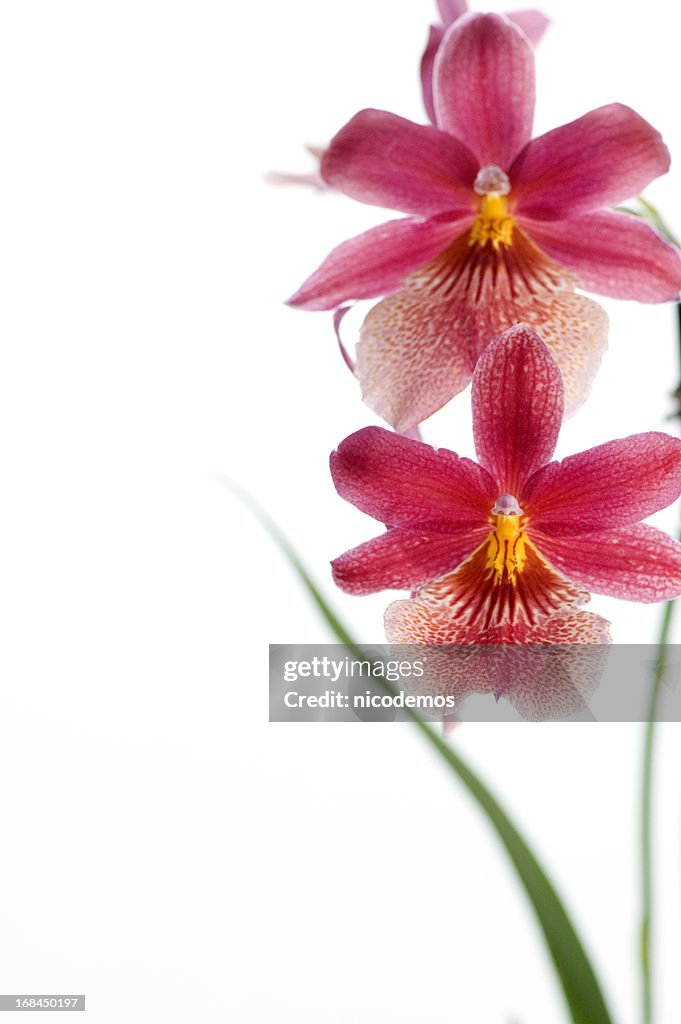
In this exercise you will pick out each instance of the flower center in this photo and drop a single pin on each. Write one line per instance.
(506, 543)
(493, 224)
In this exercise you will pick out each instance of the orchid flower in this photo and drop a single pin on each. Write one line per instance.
(532, 22)
(498, 548)
(501, 229)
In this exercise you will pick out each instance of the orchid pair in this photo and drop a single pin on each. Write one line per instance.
(479, 282)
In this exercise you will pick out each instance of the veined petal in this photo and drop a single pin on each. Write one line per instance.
(404, 559)
(483, 87)
(413, 356)
(600, 159)
(375, 262)
(402, 482)
(532, 22)
(613, 484)
(517, 407)
(385, 160)
(638, 563)
(418, 348)
(575, 331)
(613, 253)
(545, 671)
(474, 595)
(435, 37)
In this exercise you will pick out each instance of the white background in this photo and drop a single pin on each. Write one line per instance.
(164, 849)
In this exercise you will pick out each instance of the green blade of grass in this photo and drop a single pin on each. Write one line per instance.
(576, 975)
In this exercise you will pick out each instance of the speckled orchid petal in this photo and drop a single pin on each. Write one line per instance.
(404, 559)
(483, 87)
(385, 160)
(532, 22)
(637, 563)
(613, 484)
(374, 263)
(413, 357)
(511, 662)
(602, 158)
(419, 347)
(575, 331)
(613, 254)
(402, 482)
(517, 407)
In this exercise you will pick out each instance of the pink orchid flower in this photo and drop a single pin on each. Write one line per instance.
(532, 22)
(499, 548)
(501, 229)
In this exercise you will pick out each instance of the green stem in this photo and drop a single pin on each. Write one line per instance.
(647, 815)
(650, 213)
(573, 967)
(578, 979)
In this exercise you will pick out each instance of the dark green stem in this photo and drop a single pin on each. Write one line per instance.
(647, 815)
(580, 985)
(648, 764)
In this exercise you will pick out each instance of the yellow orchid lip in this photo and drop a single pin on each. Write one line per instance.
(494, 224)
(506, 550)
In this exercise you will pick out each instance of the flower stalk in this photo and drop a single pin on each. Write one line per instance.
(647, 780)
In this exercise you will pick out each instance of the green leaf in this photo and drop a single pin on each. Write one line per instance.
(576, 975)
(650, 213)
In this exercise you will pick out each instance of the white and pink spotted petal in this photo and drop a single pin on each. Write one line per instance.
(545, 671)
(413, 356)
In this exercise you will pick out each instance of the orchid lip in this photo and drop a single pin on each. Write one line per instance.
(491, 180)
(506, 505)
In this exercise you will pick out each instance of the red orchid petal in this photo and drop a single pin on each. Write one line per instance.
(435, 37)
(517, 407)
(483, 87)
(385, 160)
(404, 559)
(541, 684)
(613, 253)
(532, 22)
(600, 159)
(375, 262)
(338, 317)
(608, 486)
(575, 331)
(637, 563)
(402, 482)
